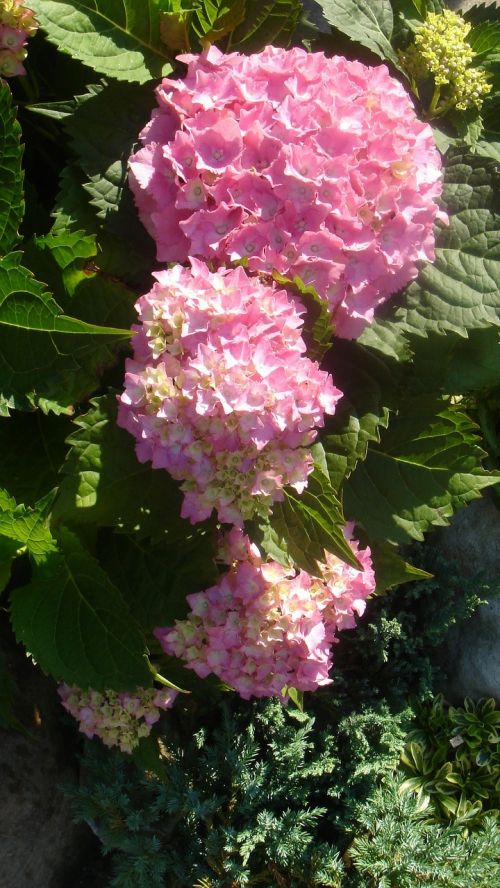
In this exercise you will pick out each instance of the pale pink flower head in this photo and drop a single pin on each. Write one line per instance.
(264, 628)
(220, 392)
(118, 719)
(311, 165)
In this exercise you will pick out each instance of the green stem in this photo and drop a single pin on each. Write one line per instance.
(431, 111)
(161, 679)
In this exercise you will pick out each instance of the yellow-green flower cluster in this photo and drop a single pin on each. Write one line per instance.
(441, 49)
(442, 45)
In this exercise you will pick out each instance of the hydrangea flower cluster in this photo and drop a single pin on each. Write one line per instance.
(17, 23)
(441, 49)
(220, 392)
(265, 628)
(118, 719)
(314, 166)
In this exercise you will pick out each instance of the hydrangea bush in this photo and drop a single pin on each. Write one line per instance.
(262, 388)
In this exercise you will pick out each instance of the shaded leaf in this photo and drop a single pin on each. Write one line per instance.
(265, 22)
(32, 449)
(11, 173)
(368, 386)
(75, 623)
(154, 581)
(304, 526)
(427, 464)
(105, 484)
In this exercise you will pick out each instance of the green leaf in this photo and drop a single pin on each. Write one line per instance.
(119, 38)
(469, 126)
(104, 483)
(369, 22)
(75, 623)
(126, 254)
(484, 39)
(32, 450)
(265, 22)
(49, 359)
(8, 550)
(427, 464)
(318, 328)
(304, 526)
(154, 581)
(60, 259)
(25, 304)
(11, 173)
(489, 149)
(214, 19)
(26, 527)
(390, 569)
(103, 130)
(174, 27)
(368, 386)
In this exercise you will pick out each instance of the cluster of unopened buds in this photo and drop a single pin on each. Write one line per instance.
(220, 392)
(119, 719)
(17, 23)
(441, 50)
(264, 628)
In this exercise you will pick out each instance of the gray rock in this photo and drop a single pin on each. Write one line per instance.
(39, 844)
(471, 655)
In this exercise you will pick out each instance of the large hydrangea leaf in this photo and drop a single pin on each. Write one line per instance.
(75, 623)
(367, 382)
(369, 22)
(11, 174)
(303, 526)
(105, 484)
(154, 580)
(265, 22)
(427, 464)
(49, 359)
(119, 38)
(103, 130)
(32, 449)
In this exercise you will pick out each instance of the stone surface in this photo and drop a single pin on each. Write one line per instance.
(471, 655)
(40, 847)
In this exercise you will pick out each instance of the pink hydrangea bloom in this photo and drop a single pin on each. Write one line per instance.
(264, 627)
(220, 392)
(118, 719)
(17, 23)
(313, 166)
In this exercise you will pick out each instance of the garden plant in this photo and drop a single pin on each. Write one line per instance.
(249, 356)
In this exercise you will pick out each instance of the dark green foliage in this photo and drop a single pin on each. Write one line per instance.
(255, 798)
(274, 797)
